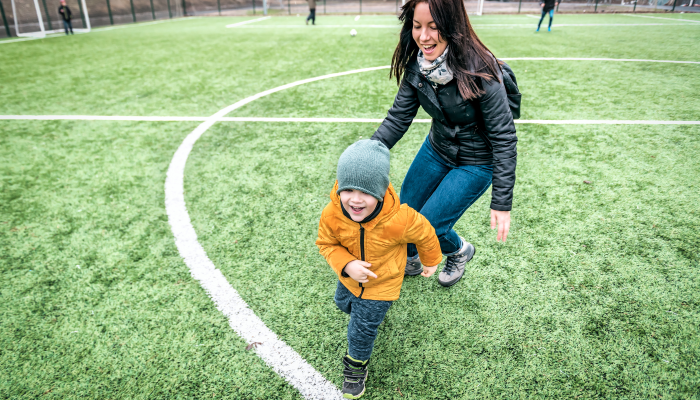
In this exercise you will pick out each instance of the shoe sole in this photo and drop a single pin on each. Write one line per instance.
(349, 396)
(448, 284)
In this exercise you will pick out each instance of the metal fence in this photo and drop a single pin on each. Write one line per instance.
(114, 12)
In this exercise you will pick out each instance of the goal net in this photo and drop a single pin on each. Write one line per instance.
(33, 18)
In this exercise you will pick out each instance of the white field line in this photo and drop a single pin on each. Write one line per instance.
(532, 16)
(103, 118)
(325, 120)
(595, 59)
(476, 26)
(101, 29)
(277, 354)
(250, 21)
(670, 19)
(162, 21)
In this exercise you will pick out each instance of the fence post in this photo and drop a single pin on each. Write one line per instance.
(596, 6)
(520, 3)
(635, 6)
(82, 15)
(48, 17)
(253, 7)
(360, 6)
(184, 8)
(153, 12)
(218, 5)
(674, 6)
(558, 4)
(109, 11)
(324, 6)
(170, 13)
(289, 8)
(133, 14)
(4, 20)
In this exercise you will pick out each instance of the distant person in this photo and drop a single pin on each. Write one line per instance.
(312, 12)
(65, 13)
(547, 7)
(362, 234)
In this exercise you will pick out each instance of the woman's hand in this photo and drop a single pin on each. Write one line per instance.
(502, 220)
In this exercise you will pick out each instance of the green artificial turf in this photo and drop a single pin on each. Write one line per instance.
(595, 295)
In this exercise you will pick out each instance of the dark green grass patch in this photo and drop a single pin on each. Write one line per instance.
(595, 294)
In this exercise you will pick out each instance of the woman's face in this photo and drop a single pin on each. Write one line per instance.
(425, 32)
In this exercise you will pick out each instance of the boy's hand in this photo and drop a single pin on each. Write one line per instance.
(358, 270)
(428, 271)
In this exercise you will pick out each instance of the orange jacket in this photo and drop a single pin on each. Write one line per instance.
(384, 239)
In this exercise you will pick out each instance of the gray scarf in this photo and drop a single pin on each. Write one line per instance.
(435, 71)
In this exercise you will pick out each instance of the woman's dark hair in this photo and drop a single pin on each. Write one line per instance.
(468, 57)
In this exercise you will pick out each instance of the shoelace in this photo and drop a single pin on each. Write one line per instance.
(450, 265)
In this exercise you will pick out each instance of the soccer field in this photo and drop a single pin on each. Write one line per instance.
(595, 295)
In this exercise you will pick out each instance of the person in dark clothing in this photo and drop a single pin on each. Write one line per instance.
(547, 7)
(312, 12)
(442, 66)
(65, 13)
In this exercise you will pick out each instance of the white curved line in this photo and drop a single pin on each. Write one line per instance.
(277, 354)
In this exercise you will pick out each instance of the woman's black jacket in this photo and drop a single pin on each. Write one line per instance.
(453, 133)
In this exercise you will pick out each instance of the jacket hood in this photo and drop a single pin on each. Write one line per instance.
(389, 209)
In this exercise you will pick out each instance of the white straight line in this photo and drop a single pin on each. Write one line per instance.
(476, 26)
(533, 16)
(601, 122)
(102, 118)
(109, 28)
(106, 28)
(670, 19)
(324, 120)
(595, 59)
(250, 21)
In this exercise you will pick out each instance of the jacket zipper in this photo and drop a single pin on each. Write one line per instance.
(362, 253)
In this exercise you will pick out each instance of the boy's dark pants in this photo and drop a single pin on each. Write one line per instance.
(365, 317)
(67, 25)
(312, 16)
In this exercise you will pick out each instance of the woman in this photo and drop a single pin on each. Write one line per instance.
(441, 65)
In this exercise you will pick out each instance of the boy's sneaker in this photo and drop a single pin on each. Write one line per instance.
(454, 265)
(355, 373)
(413, 266)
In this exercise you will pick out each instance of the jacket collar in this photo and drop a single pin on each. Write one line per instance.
(390, 207)
(415, 78)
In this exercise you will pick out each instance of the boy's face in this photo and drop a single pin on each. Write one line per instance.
(357, 203)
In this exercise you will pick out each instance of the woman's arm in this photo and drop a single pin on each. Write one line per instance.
(399, 117)
(500, 129)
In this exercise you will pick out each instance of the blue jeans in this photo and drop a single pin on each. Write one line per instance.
(551, 17)
(442, 192)
(365, 317)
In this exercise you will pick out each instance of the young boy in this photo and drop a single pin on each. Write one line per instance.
(363, 235)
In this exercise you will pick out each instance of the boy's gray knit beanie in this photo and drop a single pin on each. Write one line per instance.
(364, 166)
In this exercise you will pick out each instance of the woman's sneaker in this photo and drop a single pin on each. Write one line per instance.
(454, 265)
(355, 373)
(413, 266)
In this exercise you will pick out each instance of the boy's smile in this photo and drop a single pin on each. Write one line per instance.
(358, 204)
